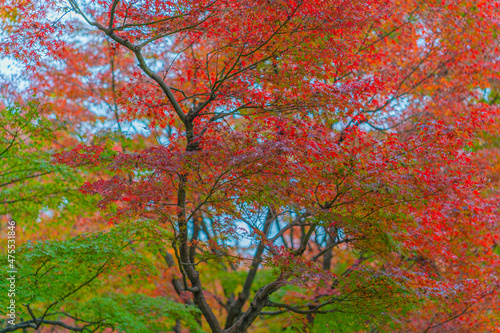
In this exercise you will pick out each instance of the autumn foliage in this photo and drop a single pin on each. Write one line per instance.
(253, 166)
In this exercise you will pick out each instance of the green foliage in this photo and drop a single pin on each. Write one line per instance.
(75, 276)
(360, 303)
(341, 322)
(51, 271)
(29, 182)
(140, 313)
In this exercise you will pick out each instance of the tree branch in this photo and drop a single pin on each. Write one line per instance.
(235, 308)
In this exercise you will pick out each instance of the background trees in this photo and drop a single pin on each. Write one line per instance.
(267, 165)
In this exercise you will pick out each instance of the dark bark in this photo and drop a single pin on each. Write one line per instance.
(236, 306)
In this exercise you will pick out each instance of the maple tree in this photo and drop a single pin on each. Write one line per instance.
(263, 165)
